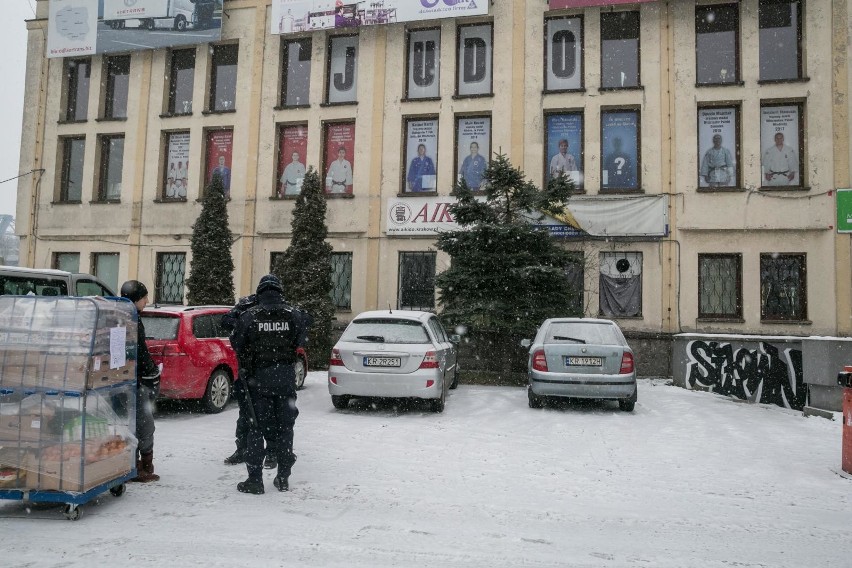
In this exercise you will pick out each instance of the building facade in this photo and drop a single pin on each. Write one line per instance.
(707, 141)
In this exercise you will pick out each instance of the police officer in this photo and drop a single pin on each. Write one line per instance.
(147, 387)
(265, 338)
(229, 322)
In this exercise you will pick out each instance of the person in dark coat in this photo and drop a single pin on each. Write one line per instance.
(265, 338)
(147, 387)
(229, 322)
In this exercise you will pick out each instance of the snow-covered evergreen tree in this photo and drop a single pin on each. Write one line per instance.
(305, 267)
(211, 271)
(506, 274)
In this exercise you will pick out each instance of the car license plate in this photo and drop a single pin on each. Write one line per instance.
(382, 361)
(583, 361)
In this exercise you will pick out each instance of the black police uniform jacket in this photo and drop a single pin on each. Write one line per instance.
(265, 338)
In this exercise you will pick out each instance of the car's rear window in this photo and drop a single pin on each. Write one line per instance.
(385, 331)
(160, 327)
(593, 333)
(32, 285)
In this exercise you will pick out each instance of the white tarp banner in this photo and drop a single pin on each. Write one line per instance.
(293, 16)
(631, 216)
(604, 216)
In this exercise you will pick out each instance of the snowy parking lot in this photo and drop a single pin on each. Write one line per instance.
(688, 479)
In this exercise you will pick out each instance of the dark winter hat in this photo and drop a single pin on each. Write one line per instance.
(133, 290)
(269, 282)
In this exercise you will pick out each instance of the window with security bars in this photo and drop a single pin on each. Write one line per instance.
(720, 286)
(575, 274)
(171, 268)
(341, 280)
(416, 281)
(783, 294)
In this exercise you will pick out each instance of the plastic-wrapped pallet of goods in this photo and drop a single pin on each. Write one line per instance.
(67, 392)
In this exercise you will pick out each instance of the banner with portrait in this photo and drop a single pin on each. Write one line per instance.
(292, 152)
(717, 147)
(473, 149)
(564, 147)
(780, 146)
(220, 144)
(87, 27)
(177, 165)
(339, 157)
(421, 155)
(294, 16)
(620, 149)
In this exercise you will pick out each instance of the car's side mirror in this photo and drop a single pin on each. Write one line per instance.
(455, 338)
(526, 342)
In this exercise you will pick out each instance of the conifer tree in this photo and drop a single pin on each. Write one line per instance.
(506, 274)
(305, 267)
(211, 272)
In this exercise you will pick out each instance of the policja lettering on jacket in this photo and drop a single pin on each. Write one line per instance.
(273, 326)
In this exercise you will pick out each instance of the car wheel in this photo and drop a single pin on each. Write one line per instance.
(455, 383)
(149, 24)
(218, 392)
(299, 367)
(340, 402)
(180, 23)
(535, 400)
(626, 405)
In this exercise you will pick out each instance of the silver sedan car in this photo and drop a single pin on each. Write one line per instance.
(396, 354)
(581, 358)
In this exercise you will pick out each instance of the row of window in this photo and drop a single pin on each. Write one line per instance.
(716, 45)
(783, 277)
(718, 153)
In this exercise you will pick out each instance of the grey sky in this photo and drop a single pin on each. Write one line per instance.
(13, 39)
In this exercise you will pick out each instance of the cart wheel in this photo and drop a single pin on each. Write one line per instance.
(73, 512)
(118, 490)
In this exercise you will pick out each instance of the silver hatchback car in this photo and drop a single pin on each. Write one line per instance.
(581, 358)
(395, 354)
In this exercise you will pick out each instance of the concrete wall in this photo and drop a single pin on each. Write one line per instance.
(759, 369)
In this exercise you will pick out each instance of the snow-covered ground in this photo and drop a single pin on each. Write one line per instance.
(688, 479)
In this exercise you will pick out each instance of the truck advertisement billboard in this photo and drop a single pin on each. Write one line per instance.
(293, 16)
(87, 27)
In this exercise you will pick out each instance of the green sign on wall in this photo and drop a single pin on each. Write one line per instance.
(844, 210)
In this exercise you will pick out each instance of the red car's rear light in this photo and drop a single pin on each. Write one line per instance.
(430, 361)
(626, 363)
(539, 361)
(335, 359)
(429, 383)
(172, 349)
(333, 380)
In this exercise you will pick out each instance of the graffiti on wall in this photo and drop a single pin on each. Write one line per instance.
(766, 374)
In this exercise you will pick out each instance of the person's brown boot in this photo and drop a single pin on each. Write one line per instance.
(145, 469)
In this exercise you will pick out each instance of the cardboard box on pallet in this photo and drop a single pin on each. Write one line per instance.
(17, 467)
(76, 475)
(21, 427)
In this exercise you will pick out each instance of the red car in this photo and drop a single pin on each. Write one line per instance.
(198, 360)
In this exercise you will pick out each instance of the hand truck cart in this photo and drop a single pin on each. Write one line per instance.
(67, 399)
